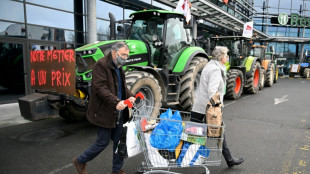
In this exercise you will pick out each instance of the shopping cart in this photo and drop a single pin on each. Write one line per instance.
(193, 149)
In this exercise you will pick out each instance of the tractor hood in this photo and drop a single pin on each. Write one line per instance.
(304, 65)
(88, 55)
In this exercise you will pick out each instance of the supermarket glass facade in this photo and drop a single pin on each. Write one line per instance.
(61, 24)
(295, 27)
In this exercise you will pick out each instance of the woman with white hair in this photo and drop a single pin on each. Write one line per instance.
(212, 80)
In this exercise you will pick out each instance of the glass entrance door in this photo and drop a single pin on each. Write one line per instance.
(12, 72)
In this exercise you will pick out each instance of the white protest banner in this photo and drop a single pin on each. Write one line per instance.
(248, 29)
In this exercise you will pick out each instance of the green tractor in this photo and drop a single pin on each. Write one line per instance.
(244, 66)
(165, 63)
(271, 61)
(269, 68)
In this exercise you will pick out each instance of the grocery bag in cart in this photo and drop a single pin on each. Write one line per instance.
(167, 133)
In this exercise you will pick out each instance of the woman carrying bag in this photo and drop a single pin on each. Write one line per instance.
(212, 80)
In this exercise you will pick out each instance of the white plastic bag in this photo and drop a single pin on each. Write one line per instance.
(155, 158)
(132, 142)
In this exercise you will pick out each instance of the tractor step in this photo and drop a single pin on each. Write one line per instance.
(172, 103)
(173, 97)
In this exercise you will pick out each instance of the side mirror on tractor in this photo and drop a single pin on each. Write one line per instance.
(120, 28)
(189, 25)
(271, 49)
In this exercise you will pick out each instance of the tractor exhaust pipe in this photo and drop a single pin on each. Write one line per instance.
(208, 47)
(112, 27)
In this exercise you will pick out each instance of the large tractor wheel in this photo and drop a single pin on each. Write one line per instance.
(235, 84)
(269, 76)
(306, 73)
(262, 78)
(254, 79)
(147, 84)
(190, 82)
(72, 112)
(276, 75)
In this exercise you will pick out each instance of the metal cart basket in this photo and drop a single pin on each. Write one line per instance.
(192, 147)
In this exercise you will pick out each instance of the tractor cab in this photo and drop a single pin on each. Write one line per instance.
(306, 57)
(258, 51)
(164, 34)
(270, 54)
(238, 46)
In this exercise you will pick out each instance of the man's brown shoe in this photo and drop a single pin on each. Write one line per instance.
(119, 172)
(80, 168)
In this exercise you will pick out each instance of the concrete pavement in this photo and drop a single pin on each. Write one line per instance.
(10, 115)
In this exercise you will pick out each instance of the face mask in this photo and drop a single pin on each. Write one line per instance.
(120, 61)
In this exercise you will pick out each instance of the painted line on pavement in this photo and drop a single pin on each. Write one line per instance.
(297, 157)
(235, 101)
(230, 103)
(60, 169)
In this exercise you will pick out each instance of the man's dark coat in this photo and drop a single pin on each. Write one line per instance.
(103, 100)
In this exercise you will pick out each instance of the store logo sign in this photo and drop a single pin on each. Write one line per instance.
(295, 20)
(283, 18)
(299, 21)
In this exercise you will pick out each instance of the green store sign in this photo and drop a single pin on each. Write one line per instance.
(296, 20)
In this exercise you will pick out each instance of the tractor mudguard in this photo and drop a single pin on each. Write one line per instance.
(186, 57)
(304, 65)
(241, 68)
(266, 64)
(158, 75)
(249, 64)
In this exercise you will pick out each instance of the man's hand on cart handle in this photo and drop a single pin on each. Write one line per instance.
(129, 102)
(132, 100)
(121, 105)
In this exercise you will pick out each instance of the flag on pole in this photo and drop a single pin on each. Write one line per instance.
(225, 1)
(248, 29)
(184, 7)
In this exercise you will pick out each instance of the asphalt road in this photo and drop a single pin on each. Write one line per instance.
(271, 130)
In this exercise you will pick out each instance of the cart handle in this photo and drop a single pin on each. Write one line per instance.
(128, 102)
(140, 95)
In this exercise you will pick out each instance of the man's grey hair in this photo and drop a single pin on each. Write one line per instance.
(218, 52)
(118, 45)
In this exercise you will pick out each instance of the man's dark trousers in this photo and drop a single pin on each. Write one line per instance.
(103, 138)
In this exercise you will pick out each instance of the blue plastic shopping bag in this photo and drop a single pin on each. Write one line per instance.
(167, 133)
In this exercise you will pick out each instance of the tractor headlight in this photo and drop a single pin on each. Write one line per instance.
(89, 52)
(88, 75)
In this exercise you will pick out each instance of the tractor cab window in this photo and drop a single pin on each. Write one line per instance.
(268, 56)
(256, 52)
(177, 39)
(237, 46)
(148, 30)
(231, 45)
(307, 57)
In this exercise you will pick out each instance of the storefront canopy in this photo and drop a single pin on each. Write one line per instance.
(287, 39)
(207, 11)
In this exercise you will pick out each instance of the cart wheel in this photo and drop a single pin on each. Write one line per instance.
(141, 169)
